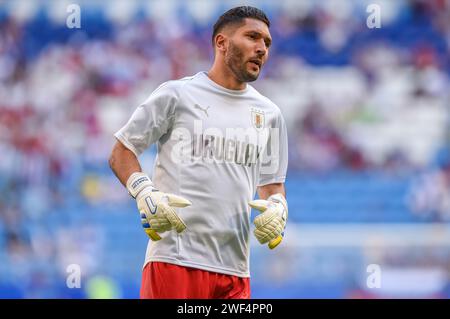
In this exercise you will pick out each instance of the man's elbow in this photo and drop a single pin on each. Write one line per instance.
(112, 161)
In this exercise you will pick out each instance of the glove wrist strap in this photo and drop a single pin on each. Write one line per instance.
(278, 198)
(137, 182)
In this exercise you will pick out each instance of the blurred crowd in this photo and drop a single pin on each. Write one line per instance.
(355, 99)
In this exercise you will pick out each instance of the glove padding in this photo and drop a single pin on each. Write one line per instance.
(155, 207)
(271, 223)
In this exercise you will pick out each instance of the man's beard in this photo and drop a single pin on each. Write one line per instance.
(234, 59)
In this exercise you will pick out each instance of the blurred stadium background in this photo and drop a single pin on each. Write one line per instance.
(368, 118)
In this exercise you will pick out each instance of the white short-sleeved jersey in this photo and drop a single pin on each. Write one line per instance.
(215, 146)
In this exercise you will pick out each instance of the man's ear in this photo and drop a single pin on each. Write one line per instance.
(221, 42)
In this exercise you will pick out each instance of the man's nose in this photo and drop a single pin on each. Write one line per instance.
(261, 49)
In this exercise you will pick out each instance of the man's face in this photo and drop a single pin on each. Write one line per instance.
(248, 49)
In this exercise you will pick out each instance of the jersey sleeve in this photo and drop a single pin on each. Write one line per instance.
(151, 120)
(275, 158)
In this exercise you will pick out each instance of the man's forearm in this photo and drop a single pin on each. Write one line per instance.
(123, 162)
(265, 191)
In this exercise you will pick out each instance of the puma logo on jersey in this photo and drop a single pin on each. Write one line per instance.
(202, 109)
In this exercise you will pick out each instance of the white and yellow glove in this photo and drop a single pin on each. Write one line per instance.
(270, 224)
(155, 207)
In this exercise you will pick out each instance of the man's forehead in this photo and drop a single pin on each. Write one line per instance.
(250, 24)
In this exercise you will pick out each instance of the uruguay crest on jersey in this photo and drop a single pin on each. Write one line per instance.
(257, 118)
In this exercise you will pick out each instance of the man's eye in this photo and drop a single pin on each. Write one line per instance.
(252, 36)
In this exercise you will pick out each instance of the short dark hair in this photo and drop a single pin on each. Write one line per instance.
(237, 15)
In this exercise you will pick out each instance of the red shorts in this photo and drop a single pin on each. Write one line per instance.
(167, 281)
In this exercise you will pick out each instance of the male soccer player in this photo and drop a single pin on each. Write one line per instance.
(219, 141)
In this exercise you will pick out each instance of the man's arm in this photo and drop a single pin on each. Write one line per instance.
(270, 189)
(156, 208)
(123, 162)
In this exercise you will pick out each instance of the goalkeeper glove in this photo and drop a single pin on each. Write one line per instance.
(155, 207)
(271, 223)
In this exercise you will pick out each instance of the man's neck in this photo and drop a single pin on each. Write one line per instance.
(225, 78)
